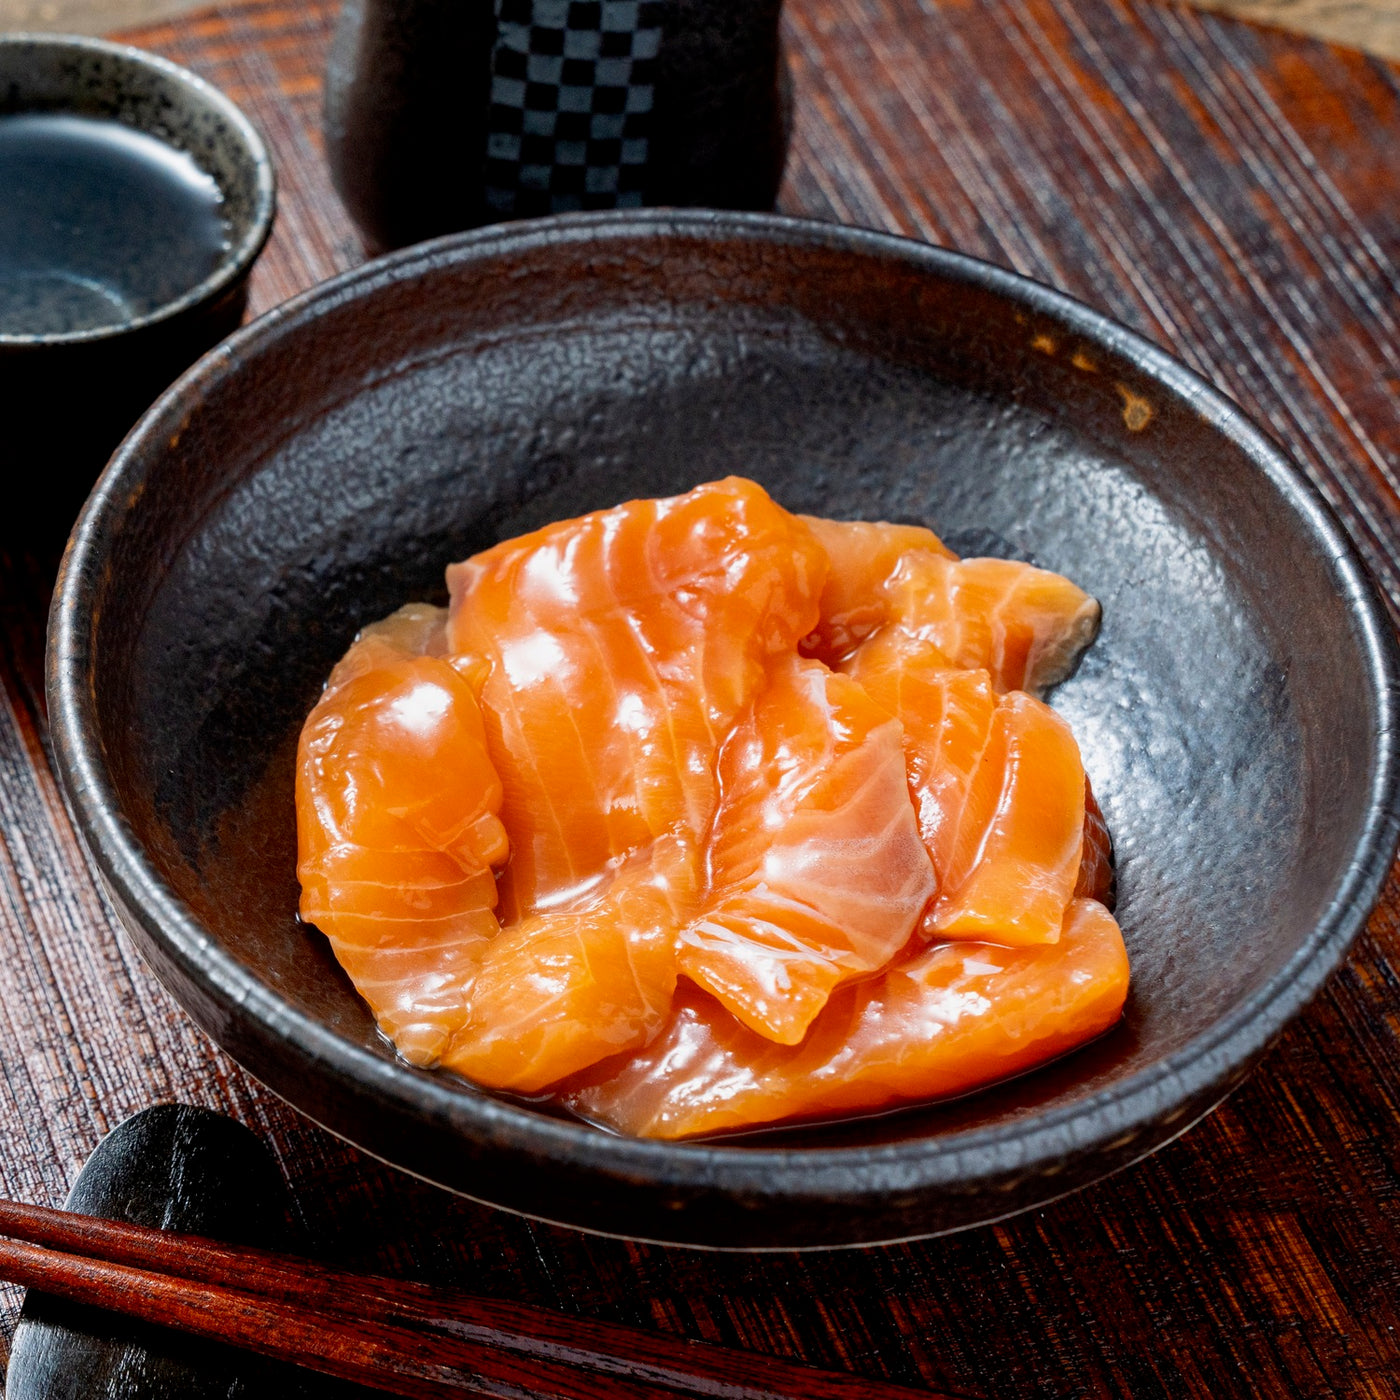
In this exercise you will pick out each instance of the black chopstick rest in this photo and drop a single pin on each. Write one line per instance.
(177, 1168)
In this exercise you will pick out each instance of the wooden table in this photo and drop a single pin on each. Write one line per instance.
(1231, 192)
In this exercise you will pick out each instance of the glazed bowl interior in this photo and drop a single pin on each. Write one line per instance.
(324, 467)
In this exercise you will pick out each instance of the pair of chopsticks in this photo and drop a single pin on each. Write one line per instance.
(403, 1338)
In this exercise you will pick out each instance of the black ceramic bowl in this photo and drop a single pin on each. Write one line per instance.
(320, 468)
(68, 395)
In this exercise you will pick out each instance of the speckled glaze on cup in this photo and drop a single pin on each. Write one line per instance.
(67, 398)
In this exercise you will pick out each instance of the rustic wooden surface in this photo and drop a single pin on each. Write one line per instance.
(1232, 192)
(112, 1247)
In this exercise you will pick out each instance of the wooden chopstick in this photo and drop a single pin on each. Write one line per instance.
(403, 1338)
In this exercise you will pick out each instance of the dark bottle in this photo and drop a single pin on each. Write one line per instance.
(444, 114)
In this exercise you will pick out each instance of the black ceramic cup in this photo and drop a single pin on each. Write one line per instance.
(445, 114)
(72, 385)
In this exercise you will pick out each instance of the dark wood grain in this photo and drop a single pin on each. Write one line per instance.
(390, 1334)
(1231, 192)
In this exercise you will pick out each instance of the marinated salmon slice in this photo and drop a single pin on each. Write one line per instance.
(945, 718)
(864, 555)
(813, 787)
(398, 821)
(1025, 626)
(621, 649)
(948, 646)
(560, 990)
(952, 1018)
(1014, 859)
(998, 785)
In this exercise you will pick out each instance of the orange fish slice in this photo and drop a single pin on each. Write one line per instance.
(813, 790)
(863, 555)
(1014, 860)
(951, 1019)
(621, 648)
(560, 990)
(397, 803)
(946, 719)
(998, 785)
(1024, 625)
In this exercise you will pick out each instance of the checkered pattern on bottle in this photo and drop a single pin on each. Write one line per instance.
(572, 89)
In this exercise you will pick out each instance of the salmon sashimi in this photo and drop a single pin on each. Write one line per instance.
(813, 786)
(954, 1017)
(398, 808)
(621, 649)
(560, 990)
(998, 785)
(864, 555)
(1026, 626)
(945, 717)
(1015, 856)
(715, 815)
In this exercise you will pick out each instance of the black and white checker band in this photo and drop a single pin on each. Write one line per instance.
(571, 104)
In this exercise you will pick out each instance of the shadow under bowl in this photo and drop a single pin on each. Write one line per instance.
(1236, 714)
(68, 396)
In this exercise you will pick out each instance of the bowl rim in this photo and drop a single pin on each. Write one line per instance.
(240, 256)
(1171, 1091)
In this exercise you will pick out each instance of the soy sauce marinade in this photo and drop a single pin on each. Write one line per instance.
(99, 223)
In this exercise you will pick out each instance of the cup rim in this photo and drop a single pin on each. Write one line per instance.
(241, 255)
